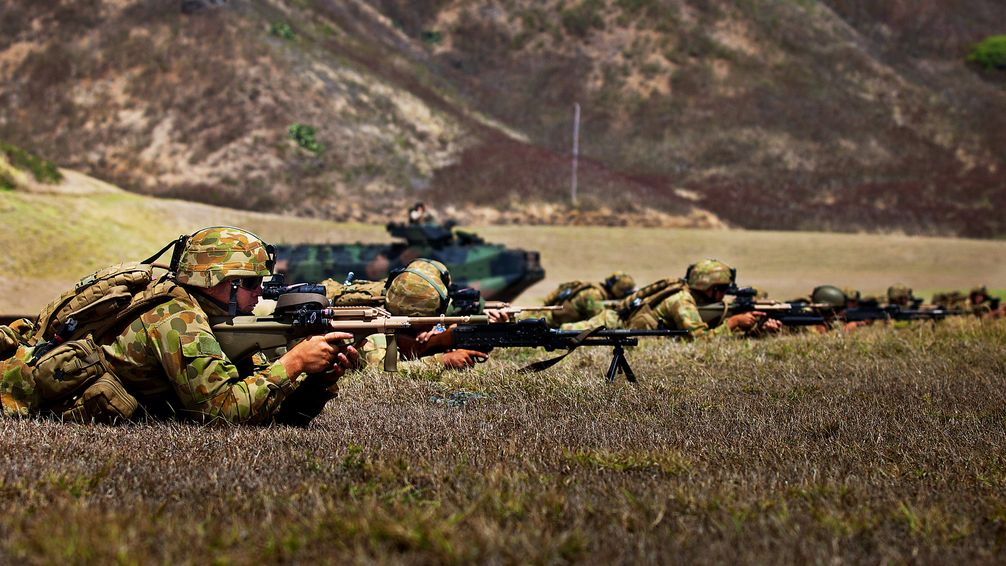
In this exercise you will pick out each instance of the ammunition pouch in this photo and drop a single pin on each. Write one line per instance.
(105, 401)
(66, 370)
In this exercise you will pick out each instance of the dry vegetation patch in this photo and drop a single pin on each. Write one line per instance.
(880, 446)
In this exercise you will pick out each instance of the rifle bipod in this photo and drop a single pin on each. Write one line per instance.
(620, 364)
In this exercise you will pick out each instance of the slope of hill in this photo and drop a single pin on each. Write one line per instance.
(754, 113)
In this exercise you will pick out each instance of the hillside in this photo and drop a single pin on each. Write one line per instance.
(748, 113)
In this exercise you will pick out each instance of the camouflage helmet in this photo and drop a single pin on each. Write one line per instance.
(620, 284)
(220, 253)
(828, 295)
(899, 293)
(418, 290)
(851, 293)
(709, 273)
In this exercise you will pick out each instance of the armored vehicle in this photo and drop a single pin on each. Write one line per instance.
(499, 273)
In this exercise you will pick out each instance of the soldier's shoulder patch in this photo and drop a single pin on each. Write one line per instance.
(203, 346)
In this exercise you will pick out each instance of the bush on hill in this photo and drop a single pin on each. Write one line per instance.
(44, 171)
(990, 53)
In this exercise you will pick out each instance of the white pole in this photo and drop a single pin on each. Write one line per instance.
(576, 149)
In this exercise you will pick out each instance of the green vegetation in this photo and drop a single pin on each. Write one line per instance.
(6, 182)
(44, 171)
(431, 37)
(875, 447)
(990, 53)
(583, 18)
(304, 136)
(282, 30)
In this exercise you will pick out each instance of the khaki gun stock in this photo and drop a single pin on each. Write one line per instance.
(517, 309)
(301, 315)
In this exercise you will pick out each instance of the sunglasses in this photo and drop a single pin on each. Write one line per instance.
(250, 283)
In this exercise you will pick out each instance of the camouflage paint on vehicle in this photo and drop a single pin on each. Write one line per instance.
(501, 274)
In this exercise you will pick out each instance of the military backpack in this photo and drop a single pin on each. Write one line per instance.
(569, 290)
(61, 361)
(636, 310)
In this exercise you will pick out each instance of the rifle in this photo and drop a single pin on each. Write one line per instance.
(300, 315)
(874, 311)
(469, 301)
(534, 333)
(510, 309)
(789, 314)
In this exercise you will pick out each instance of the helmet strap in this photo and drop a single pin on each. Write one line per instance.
(176, 254)
(232, 305)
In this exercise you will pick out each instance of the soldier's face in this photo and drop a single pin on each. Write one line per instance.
(248, 293)
(717, 293)
(248, 297)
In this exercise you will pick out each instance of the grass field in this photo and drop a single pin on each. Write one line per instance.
(878, 446)
(881, 446)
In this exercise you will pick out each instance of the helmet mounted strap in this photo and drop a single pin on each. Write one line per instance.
(232, 304)
(176, 254)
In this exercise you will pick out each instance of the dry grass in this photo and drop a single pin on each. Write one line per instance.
(880, 447)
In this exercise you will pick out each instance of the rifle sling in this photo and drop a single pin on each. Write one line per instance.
(545, 364)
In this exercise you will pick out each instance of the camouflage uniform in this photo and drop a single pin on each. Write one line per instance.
(168, 361)
(677, 311)
(17, 392)
(581, 301)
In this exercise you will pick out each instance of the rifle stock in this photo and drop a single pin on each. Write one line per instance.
(301, 315)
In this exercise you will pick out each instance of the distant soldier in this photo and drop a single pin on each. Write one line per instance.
(951, 301)
(982, 305)
(838, 300)
(901, 295)
(852, 297)
(581, 300)
(673, 303)
(420, 289)
(418, 214)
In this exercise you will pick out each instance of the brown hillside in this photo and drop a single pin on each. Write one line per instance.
(756, 113)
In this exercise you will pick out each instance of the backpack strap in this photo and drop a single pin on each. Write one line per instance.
(650, 295)
(158, 292)
(567, 291)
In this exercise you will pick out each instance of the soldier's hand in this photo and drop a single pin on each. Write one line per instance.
(460, 359)
(744, 321)
(496, 315)
(329, 354)
(771, 325)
